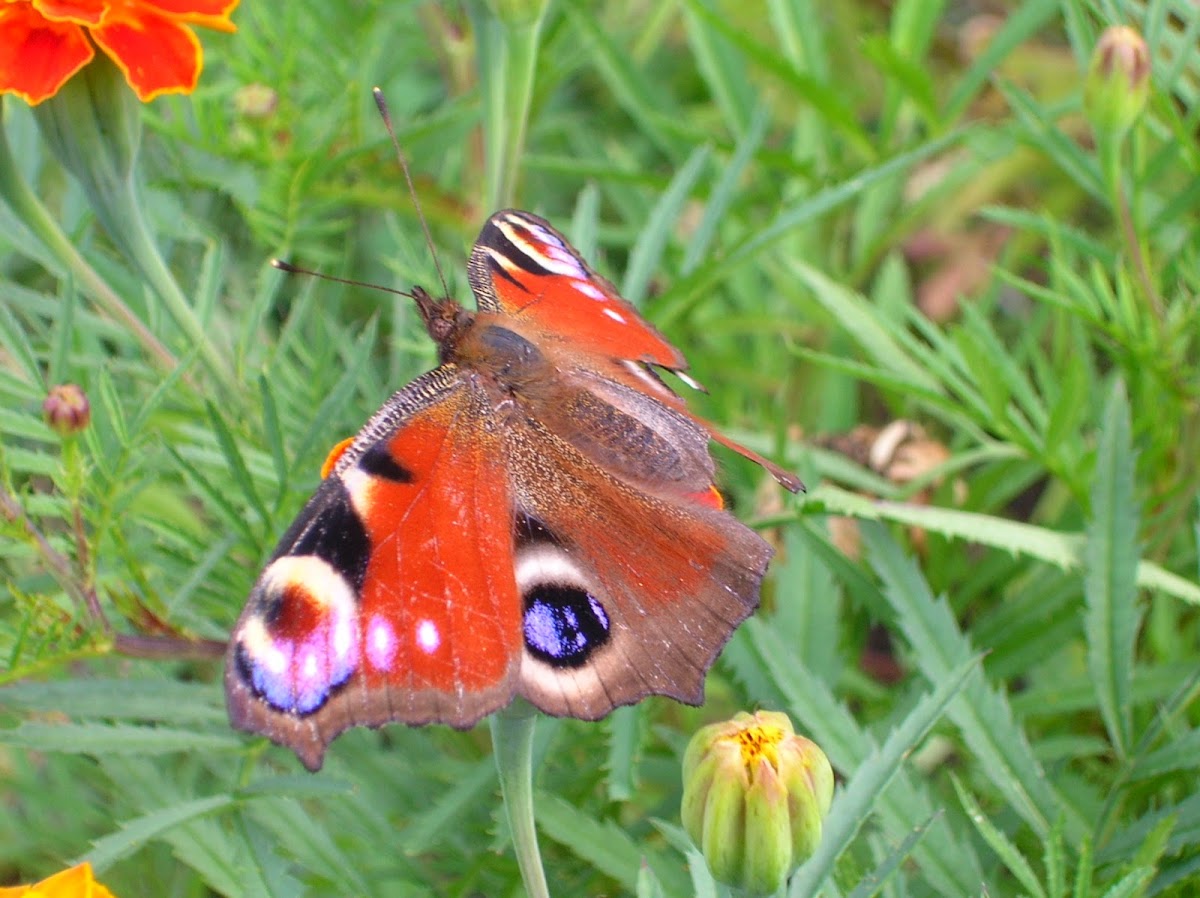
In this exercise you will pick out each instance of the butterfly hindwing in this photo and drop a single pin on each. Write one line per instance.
(625, 594)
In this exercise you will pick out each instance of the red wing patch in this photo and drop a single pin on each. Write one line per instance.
(392, 596)
(521, 266)
(440, 614)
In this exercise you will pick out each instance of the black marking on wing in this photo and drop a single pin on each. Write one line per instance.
(496, 239)
(530, 530)
(331, 529)
(244, 667)
(499, 270)
(564, 624)
(378, 461)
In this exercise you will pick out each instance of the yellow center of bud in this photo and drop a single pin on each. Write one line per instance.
(755, 795)
(759, 742)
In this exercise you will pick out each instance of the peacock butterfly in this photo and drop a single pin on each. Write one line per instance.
(536, 516)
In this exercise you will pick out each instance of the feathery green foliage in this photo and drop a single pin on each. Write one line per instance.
(888, 241)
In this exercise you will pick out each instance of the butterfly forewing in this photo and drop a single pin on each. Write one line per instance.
(523, 267)
(392, 597)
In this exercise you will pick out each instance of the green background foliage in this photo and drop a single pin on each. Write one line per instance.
(845, 214)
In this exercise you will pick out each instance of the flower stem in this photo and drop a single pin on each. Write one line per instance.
(143, 251)
(93, 125)
(508, 38)
(29, 209)
(512, 745)
(1111, 152)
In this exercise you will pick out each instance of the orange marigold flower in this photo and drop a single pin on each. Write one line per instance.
(45, 42)
(77, 882)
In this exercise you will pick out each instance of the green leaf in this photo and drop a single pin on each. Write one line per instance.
(232, 517)
(722, 194)
(646, 257)
(15, 340)
(792, 217)
(624, 727)
(604, 845)
(1009, 854)
(1063, 550)
(1132, 883)
(116, 739)
(135, 833)
(722, 68)
(307, 836)
(146, 699)
(274, 437)
(862, 322)
(636, 93)
(235, 461)
(1042, 132)
(424, 830)
(1180, 753)
(1110, 580)
(853, 804)
(982, 714)
(648, 885)
(836, 116)
(870, 884)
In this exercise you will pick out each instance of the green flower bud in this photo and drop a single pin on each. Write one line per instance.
(754, 798)
(1118, 81)
(66, 409)
(255, 101)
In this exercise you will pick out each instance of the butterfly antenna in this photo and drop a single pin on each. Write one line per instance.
(293, 269)
(381, 103)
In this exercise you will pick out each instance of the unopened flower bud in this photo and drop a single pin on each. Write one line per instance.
(1118, 81)
(255, 101)
(755, 796)
(66, 409)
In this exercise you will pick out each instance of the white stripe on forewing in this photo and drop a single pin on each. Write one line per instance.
(558, 260)
(504, 261)
(590, 290)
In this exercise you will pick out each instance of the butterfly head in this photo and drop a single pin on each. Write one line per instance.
(446, 321)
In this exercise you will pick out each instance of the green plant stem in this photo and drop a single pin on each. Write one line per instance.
(512, 745)
(1111, 149)
(508, 36)
(143, 251)
(29, 209)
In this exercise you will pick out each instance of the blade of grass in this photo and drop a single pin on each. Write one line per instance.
(646, 257)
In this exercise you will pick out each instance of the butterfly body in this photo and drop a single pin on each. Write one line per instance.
(537, 516)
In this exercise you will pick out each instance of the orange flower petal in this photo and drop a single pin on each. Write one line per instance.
(206, 13)
(37, 56)
(157, 55)
(74, 882)
(81, 12)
